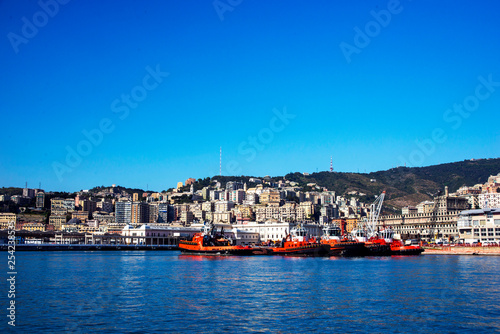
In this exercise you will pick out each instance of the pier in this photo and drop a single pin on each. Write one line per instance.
(57, 241)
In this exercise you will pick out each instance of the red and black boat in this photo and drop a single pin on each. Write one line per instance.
(212, 243)
(340, 244)
(297, 243)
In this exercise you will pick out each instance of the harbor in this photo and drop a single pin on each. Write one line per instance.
(121, 292)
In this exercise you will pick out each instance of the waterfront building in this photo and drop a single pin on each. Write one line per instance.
(157, 235)
(480, 225)
(244, 238)
(267, 231)
(114, 228)
(276, 231)
(439, 223)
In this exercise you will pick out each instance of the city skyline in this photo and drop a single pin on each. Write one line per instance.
(146, 94)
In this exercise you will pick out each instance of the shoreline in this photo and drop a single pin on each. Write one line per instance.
(490, 251)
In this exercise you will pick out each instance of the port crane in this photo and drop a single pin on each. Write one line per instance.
(368, 227)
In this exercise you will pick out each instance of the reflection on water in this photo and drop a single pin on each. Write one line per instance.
(166, 291)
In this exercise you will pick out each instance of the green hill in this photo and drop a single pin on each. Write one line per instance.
(403, 186)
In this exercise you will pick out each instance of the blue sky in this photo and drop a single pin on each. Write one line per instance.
(232, 68)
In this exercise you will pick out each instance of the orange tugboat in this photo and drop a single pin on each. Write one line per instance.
(381, 242)
(397, 247)
(298, 244)
(212, 243)
(339, 244)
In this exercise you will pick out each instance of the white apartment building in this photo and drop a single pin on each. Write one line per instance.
(479, 225)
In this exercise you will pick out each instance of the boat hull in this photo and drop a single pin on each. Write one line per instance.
(348, 249)
(376, 249)
(306, 250)
(237, 252)
(407, 251)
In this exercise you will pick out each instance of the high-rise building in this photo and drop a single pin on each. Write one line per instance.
(40, 200)
(123, 211)
(139, 213)
(233, 185)
(28, 192)
(104, 206)
(88, 205)
(238, 196)
(162, 213)
(135, 197)
(205, 192)
(153, 212)
(62, 204)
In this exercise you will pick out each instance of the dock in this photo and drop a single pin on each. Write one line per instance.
(457, 250)
(88, 247)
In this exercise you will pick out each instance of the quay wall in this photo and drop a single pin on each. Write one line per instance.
(447, 250)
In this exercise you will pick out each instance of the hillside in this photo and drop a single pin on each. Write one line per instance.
(403, 186)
